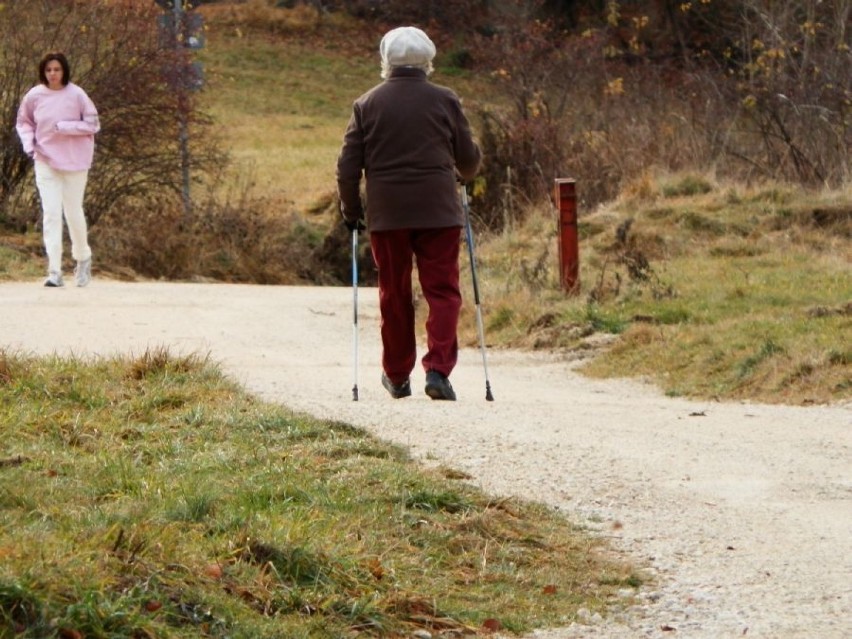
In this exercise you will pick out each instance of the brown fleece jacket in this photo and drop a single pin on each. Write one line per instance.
(410, 139)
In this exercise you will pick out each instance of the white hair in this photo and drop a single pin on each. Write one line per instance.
(387, 68)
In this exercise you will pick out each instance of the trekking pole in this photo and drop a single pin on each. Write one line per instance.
(355, 314)
(469, 234)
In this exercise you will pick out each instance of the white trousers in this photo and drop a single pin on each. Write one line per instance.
(62, 191)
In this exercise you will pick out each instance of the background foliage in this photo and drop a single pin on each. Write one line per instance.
(603, 91)
(120, 56)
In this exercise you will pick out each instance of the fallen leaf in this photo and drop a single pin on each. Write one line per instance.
(214, 571)
(492, 625)
(376, 569)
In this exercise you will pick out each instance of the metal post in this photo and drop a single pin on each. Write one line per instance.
(183, 137)
(177, 7)
(183, 106)
(569, 250)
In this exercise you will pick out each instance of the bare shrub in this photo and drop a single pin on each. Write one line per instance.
(773, 85)
(119, 57)
(626, 119)
(330, 263)
(794, 91)
(234, 236)
(605, 93)
(424, 12)
(575, 113)
(627, 261)
(520, 136)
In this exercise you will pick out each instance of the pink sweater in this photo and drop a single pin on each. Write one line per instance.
(58, 127)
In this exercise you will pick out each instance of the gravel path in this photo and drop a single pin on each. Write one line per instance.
(741, 512)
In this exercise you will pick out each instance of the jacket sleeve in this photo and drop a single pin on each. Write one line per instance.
(467, 153)
(89, 122)
(350, 169)
(25, 126)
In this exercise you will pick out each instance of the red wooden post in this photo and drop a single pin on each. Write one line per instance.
(569, 249)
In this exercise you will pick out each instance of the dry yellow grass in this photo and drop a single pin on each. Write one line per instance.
(281, 100)
(747, 293)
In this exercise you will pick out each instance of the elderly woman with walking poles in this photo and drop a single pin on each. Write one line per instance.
(410, 141)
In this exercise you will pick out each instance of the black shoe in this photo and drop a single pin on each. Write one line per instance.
(438, 386)
(397, 391)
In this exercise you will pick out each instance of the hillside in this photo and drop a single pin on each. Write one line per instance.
(706, 286)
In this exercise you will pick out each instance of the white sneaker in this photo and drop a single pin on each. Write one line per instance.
(83, 272)
(54, 280)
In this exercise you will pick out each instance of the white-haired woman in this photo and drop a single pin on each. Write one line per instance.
(57, 122)
(410, 140)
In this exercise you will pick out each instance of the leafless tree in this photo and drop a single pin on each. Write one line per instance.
(139, 80)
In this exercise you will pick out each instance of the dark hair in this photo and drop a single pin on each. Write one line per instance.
(61, 59)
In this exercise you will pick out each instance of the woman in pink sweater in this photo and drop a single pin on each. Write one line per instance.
(57, 123)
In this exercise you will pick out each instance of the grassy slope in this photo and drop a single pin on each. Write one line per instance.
(283, 109)
(150, 497)
(743, 293)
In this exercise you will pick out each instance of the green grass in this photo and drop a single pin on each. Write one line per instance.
(746, 294)
(151, 497)
(284, 109)
(726, 267)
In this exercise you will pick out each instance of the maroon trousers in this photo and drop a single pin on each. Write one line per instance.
(436, 252)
